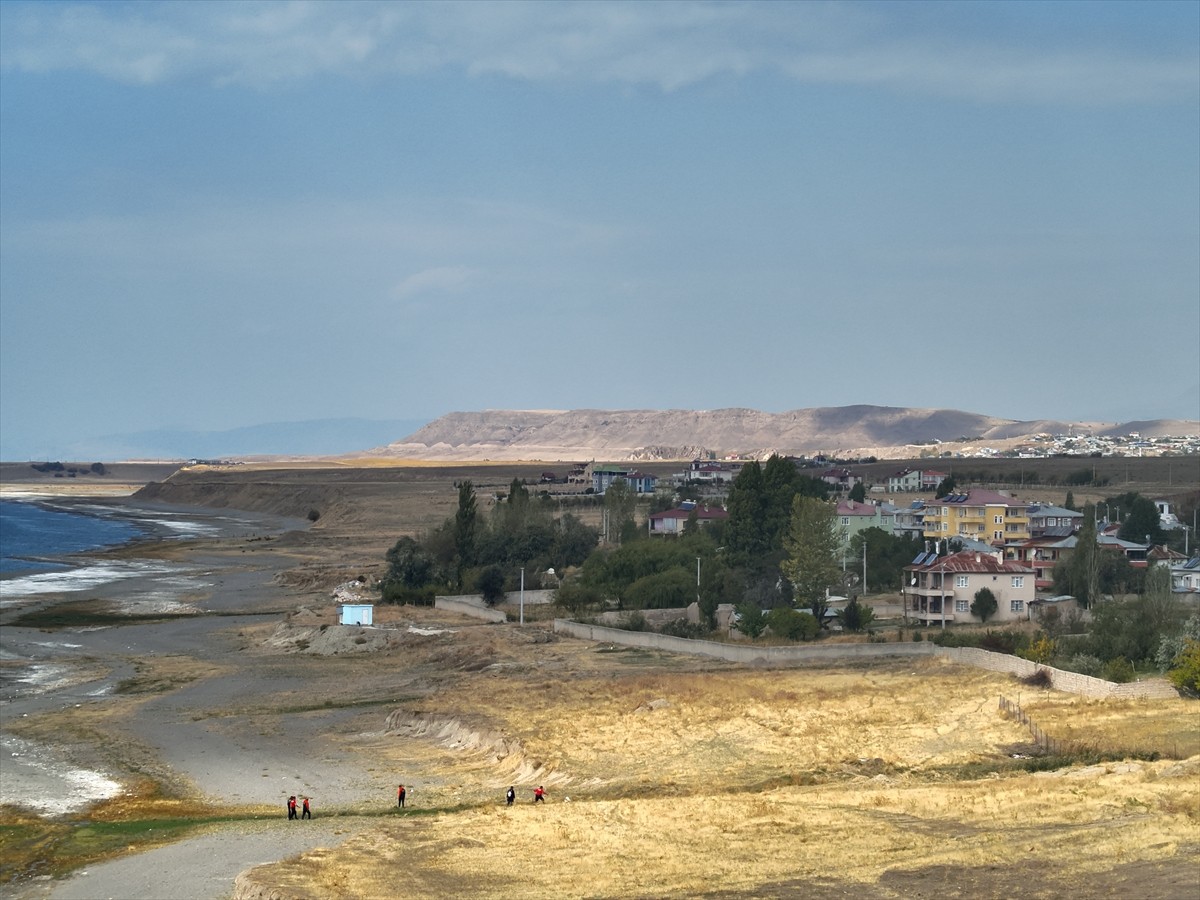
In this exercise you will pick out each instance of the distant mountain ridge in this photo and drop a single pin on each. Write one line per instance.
(679, 434)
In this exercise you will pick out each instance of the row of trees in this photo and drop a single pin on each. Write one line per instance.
(471, 551)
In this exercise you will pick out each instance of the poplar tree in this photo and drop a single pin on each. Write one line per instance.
(813, 545)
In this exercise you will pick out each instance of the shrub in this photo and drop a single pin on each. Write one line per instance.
(490, 584)
(635, 622)
(1084, 664)
(856, 616)
(1040, 651)
(792, 624)
(1186, 673)
(313, 515)
(751, 621)
(682, 628)
(918, 637)
(1119, 670)
(1041, 678)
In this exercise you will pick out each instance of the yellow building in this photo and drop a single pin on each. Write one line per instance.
(988, 516)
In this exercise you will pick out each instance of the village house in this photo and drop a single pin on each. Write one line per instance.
(840, 479)
(906, 481)
(1185, 577)
(1053, 521)
(941, 589)
(855, 517)
(604, 476)
(673, 521)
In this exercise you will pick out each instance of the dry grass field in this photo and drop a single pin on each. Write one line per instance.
(666, 777)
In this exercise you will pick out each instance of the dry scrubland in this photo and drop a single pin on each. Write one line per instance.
(890, 780)
(684, 778)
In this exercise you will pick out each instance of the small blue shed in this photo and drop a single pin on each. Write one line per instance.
(358, 614)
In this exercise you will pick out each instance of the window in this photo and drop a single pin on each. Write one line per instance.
(997, 535)
(962, 606)
(1017, 606)
(997, 520)
(1018, 581)
(960, 581)
(845, 520)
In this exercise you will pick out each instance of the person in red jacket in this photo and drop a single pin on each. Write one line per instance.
(539, 795)
(307, 810)
(400, 793)
(291, 807)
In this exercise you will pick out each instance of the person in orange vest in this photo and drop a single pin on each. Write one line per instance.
(291, 807)
(307, 813)
(539, 795)
(400, 797)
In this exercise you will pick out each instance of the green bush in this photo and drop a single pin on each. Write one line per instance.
(682, 628)
(1084, 664)
(1186, 673)
(1119, 670)
(792, 624)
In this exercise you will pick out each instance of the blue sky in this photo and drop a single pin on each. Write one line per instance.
(215, 215)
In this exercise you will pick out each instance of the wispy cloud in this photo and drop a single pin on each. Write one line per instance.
(668, 46)
(438, 280)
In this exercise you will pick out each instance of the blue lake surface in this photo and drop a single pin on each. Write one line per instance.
(29, 531)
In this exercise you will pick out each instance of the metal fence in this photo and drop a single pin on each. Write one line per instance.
(1051, 745)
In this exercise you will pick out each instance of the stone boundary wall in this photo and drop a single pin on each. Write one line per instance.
(1062, 680)
(1068, 682)
(739, 653)
(465, 606)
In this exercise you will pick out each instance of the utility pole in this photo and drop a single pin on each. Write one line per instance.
(522, 595)
(864, 589)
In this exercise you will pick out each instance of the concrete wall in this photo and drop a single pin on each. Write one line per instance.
(469, 606)
(1069, 682)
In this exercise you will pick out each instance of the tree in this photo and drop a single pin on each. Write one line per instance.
(856, 616)
(813, 545)
(984, 606)
(751, 621)
(490, 584)
(1069, 503)
(1142, 523)
(619, 504)
(858, 493)
(466, 524)
(1082, 572)
(409, 564)
(947, 486)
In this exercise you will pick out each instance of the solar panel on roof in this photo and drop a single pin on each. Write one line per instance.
(920, 560)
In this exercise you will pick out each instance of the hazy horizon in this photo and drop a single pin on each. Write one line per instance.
(218, 215)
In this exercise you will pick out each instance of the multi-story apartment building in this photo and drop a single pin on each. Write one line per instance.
(983, 515)
(941, 589)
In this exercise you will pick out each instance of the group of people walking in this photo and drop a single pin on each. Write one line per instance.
(539, 795)
(305, 811)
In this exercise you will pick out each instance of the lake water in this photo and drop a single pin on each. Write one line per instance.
(32, 534)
